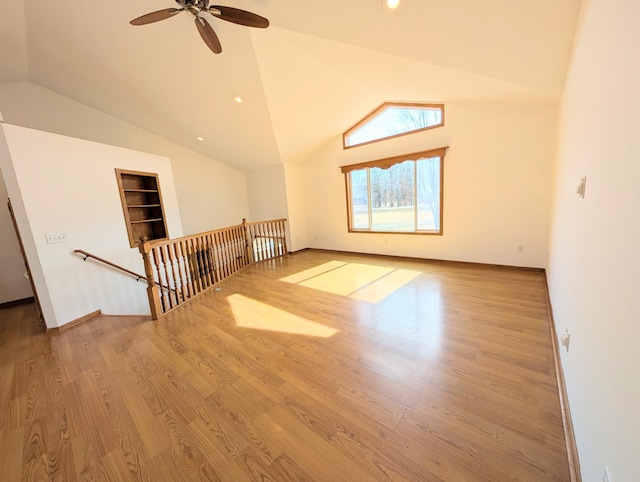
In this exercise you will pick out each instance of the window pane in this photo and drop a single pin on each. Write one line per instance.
(359, 199)
(392, 198)
(394, 120)
(428, 185)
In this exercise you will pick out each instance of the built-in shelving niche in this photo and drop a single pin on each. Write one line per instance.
(142, 205)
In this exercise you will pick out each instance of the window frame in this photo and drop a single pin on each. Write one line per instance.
(383, 107)
(386, 163)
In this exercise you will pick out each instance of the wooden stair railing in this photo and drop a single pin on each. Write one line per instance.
(138, 276)
(192, 264)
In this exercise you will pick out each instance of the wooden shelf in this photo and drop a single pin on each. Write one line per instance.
(142, 205)
(147, 221)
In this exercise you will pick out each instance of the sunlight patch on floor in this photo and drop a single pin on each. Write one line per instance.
(249, 313)
(346, 279)
(383, 287)
(359, 281)
(312, 272)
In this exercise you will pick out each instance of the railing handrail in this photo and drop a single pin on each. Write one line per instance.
(267, 221)
(193, 264)
(162, 242)
(138, 276)
(107, 262)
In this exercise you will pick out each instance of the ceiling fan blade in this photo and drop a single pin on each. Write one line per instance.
(241, 17)
(156, 16)
(208, 35)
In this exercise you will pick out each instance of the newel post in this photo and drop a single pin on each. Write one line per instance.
(152, 289)
(247, 241)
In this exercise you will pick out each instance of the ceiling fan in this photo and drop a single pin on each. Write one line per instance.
(196, 8)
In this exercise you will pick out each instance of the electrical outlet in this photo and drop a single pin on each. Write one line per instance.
(605, 476)
(56, 238)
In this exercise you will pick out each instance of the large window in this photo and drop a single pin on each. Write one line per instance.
(401, 194)
(394, 119)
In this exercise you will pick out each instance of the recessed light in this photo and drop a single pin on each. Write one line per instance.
(200, 138)
(392, 4)
(237, 99)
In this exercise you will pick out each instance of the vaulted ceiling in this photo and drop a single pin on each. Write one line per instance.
(315, 71)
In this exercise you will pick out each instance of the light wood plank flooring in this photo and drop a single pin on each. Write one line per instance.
(319, 367)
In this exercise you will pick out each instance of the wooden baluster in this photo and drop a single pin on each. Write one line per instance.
(283, 238)
(223, 261)
(225, 254)
(216, 256)
(166, 265)
(202, 243)
(163, 294)
(198, 264)
(234, 248)
(254, 244)
(228, 253)
(256, 241)
(272, 240)
(227, 250)
(267, 238)
(198, 257)
(175, 269)
(241, 247)
(247, 243)
(172, 284)
(193, 266)
(267, 245)
(263, 237)
(152, 289)
(250, 244)
(222, 268)
(202, 262)
(207, 252)
(182, 271)
(210, 264)
(258, 248)
(277, 241)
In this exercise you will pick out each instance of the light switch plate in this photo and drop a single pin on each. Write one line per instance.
(56, 238)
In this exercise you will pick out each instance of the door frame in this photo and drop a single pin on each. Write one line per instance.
(25, 260)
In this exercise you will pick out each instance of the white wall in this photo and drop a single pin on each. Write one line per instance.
(277, 192)
(297, 221)
(267, 193)
(59, 184)
(210, 194)
(594, 258)
(496, 187)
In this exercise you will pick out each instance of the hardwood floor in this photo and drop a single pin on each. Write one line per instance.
(419, 371)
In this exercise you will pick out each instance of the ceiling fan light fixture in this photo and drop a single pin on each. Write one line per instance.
(199, 7)
(237, 99)
(200, 138)
(391, 4)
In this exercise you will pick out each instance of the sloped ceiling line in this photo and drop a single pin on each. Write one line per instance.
(319, 67)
